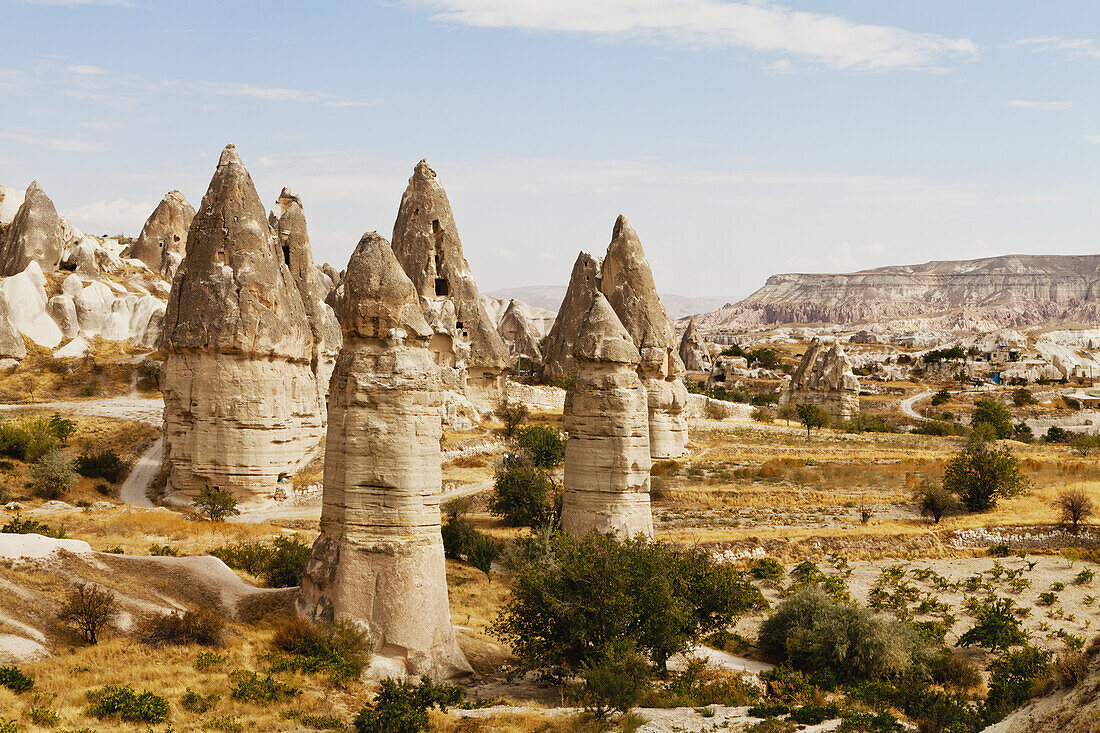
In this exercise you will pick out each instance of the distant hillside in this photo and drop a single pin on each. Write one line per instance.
(984, 294)
(550, 297)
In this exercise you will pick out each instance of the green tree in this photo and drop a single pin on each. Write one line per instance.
(1022, 396)
(995, 627)
(401, 707)
(523, 495)
(544, 444)
(52, 475)
(765, 357)
(982, 473)
(940, 398)
(569, 601)
(812, 416)
(787, 412)
(512, 414)
(1012, 680)
(995, 415)
(936, 501)
(483, 553)
(216, 503)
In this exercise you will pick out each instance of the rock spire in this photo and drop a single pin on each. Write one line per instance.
(693, 350)
(35, 235)
(240, 398)
(584, 285)
(162, 244)
(606, 415)
(426, 243)
(824, 378)
(379, 558)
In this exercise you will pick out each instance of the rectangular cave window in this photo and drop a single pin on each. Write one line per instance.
(458, 325)
(286, 254)
(441, 287)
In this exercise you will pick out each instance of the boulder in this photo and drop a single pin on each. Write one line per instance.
(240, 398)
(78, 347)
(62, 309)
(824, 378)
(145, 320)
(379, 558)
(11, 342)
(165, 233)
(35, 235)
(627, 281)
(606, 415)
(426, 243)
(93, 308)
(584, 284)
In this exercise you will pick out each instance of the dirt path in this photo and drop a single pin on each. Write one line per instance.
(908, 402)
(142, 474)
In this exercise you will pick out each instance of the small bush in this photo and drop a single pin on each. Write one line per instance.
(339, 649)
(248, 686)
(194, 702)
(936, 502)
(42, 717)
(18, 525)
(163, 550)
(483, 553)
(699, 684)
(105, 465)
(615, 680)
(287, 562)
(763, 414)
(814, 714)
(459, 536)
(543, 444)
(199, 626)
(996, 627)
(216, 504)
(523, 495)
(52, 476)
(252, 557)
(315, 721)
(27, 439)
(8, 726)
(87, 610)
(13, 678)
(941, 428)
(62, 428)
(1014, 678)
(126, 704)
(512, 414)
(205, 660)
(767, 568)
(401, 707)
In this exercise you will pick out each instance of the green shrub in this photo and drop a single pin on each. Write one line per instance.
(1056, 434)
(248, 686)
(571, 596)
(980, 474)
(104, 464)
(459, 536)
(812, 632)
(216, 504)
(339, 649)
(699, 684)
(950, 670)
(194, 702)
(940, 398)
(224, 723)
(953, 353)
(614, 680)
(941, 428)
(401, 707)
(8, 726)
(814, 714)
(162, 550)
(126, 704)
(42, 717)
(14, 679)
(996, 627)
(769, 710)
(252, 557)
(200, 626)
(18, 525)
(1013, 679)
(993, 414)
(767, 568)
(62, 428)
(287, 562)
(27, 439)
(543, 444)
(315, 721)
(483, 553)
(523, 495)
(205, 660)
(52, 475)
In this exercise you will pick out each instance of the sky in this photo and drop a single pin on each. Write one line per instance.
(742, 138)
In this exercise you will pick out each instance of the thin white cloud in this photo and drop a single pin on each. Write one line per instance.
(1091, 138)
(60, 144)
(271, 94)
(110, 217)
(84, 69)
(80, 3)
(1041, 106)
(830, 41)
(1074, 48)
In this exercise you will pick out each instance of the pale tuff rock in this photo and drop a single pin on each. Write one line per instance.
(426, 243)
(606, 415)
(693, 350)
(10, 201)
(35, 235)
(584, 284)
(26, 297)
(627, 281)
(379, 559)
(824, 378)
(241, 408)
(62, 309)
(164, 234)
(289, 221)
(11, 342)
(518, 334)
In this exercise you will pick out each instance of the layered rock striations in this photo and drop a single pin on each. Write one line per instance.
(824, 378)
(627, 281)
(379, 559)
(289, 222)
(35, 235)
(693, 350)
(584, 285)
(426, 243)
(162, 244)
(606, 415)
(983, 294)
(240, 399)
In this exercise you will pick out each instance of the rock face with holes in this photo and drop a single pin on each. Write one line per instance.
(584, 284)
(289, 222)
(824, 378)
(465, 342)
(162, 244)
(606, 415)
(379, 558)
(240, 399)
(693, 350)
(627, 281)
(519, 335)
(35, 235)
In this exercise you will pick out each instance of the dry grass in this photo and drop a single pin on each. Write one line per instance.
(525, 721)
(108, 371)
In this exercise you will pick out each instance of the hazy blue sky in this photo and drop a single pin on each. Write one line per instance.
(742, 138)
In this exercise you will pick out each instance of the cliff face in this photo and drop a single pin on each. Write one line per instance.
(1013, 290)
